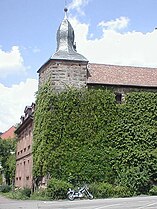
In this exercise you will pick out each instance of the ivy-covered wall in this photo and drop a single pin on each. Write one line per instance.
(84, 136)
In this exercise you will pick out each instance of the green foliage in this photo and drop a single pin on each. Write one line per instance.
(83, 136)
(1, 178)
(42, 132)
(135, 138)
(19, 194)
(11, 165)
(26, 192)
(105, 190)
(102, 190)
(153, 190)
(5, 188)
(57, 189)
(136, 180)
(70, 139)
(7, 158)
(40, 194)
(121, 191)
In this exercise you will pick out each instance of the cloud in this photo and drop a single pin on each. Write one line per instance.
(36, 50)
(118, 24)
(78, 5)
(116, 47)
(14, 100)
(11, 62)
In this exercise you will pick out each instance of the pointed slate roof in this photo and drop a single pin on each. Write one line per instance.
(66, 49)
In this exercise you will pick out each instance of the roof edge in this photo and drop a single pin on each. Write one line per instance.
(61, 60)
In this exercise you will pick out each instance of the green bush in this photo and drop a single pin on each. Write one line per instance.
(121, 191)
(153, 190)
(135, 179)
(16, 195)
(5, 188)
(105, 190)
(102, 190)
(40, 195)
(26, 192)
(57, 189)
(20, 194)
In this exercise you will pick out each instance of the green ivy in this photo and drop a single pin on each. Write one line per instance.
(84, 136)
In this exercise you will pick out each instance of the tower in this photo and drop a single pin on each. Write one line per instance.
(66, 67)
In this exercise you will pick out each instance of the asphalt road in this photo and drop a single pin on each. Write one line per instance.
(147, 202)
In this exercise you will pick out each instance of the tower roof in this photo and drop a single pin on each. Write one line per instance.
(66, 49)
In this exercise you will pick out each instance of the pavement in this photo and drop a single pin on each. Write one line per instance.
(4, 200)
(140, 202)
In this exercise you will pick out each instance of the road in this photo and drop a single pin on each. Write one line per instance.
(147, 202)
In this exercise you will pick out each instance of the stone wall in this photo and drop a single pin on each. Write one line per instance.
(63, 74)
(121, 91)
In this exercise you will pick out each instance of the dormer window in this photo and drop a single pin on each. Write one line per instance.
(22, 119)
(27, 111)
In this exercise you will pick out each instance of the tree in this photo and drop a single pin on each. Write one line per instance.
(7, 158)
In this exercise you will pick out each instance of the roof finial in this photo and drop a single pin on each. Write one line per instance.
(65, 10)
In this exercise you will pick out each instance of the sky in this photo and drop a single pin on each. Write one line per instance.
(118, 32)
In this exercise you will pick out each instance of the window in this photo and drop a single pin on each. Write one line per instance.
(27, 178)
(118, 98)
(24, 149)
(29, 147)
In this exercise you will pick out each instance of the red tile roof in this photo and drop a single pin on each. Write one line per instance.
(9, 134)
(122, 75)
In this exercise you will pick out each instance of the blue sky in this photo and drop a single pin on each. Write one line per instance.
(107, 31)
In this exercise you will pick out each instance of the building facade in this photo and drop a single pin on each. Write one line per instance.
(67, 68)
(24, 158)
